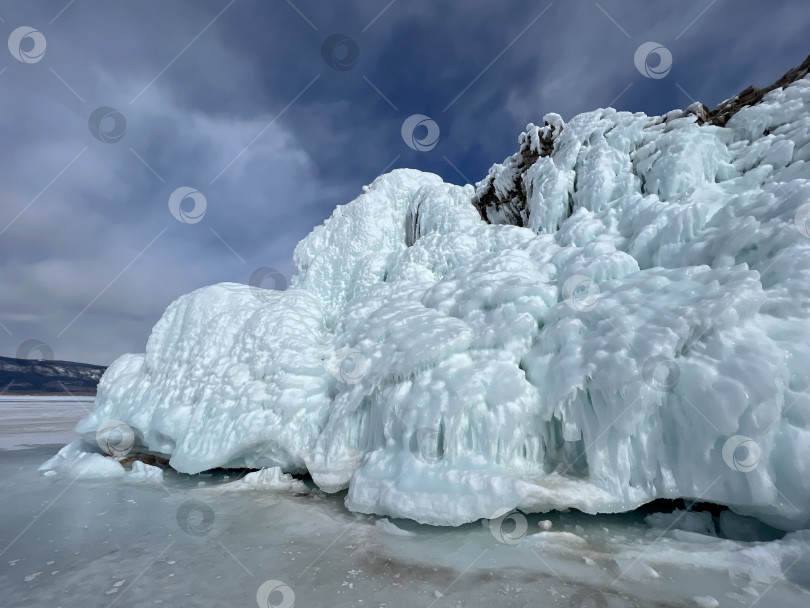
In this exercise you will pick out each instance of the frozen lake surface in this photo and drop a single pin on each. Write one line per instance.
(189, 542)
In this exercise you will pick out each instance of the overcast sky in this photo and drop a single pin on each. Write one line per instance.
(274, 120)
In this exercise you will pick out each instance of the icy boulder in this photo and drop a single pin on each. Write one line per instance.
(620, 312)
(73, 461)
(271, 479)
(78, 460)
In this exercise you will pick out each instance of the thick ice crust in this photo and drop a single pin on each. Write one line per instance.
(645, 335)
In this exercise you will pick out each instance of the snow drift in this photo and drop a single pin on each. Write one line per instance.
(619, 313)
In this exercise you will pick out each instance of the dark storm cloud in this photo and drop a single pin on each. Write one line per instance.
(236, 100)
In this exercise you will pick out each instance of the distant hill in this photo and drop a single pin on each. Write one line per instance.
(42, 377)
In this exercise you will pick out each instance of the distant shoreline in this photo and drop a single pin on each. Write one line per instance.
(68, 395)
(48, 378)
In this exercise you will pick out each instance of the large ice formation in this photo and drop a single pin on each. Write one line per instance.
(619, 313)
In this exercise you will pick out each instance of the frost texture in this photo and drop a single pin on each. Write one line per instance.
(652, 307)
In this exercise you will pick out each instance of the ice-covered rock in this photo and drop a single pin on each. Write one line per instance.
(706, 601)
(618, 313)
(79, 460)
(271, 478)
(74, 461)
(142, 472)
(389, 527)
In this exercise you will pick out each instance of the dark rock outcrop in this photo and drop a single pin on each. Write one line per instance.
(501, 197)
(506, 203)
(753, 95)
